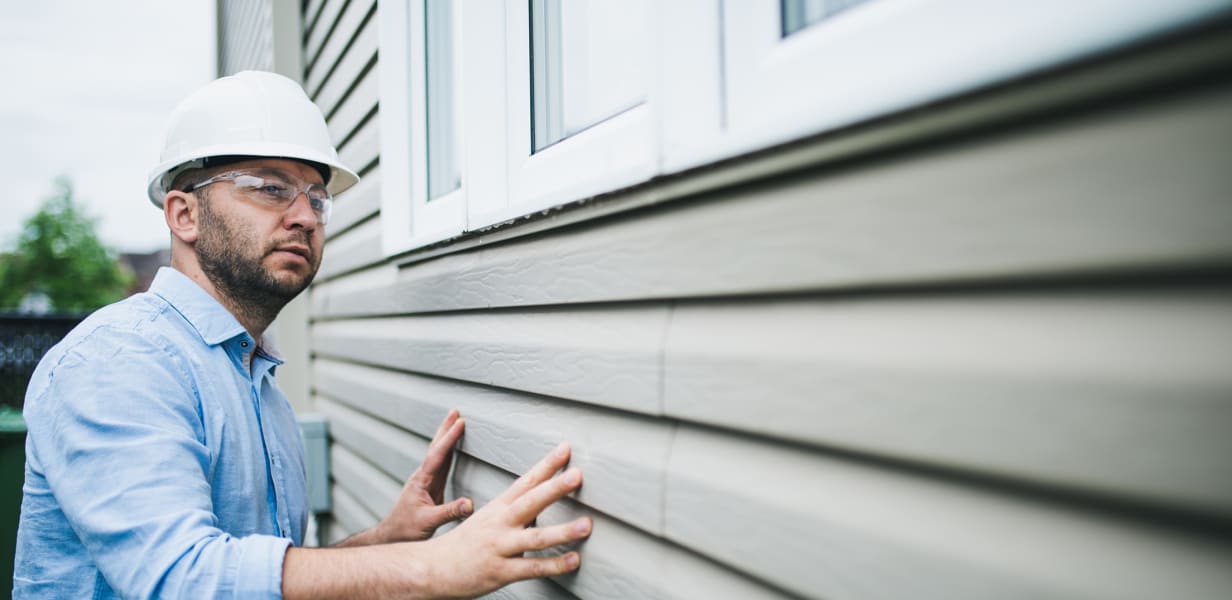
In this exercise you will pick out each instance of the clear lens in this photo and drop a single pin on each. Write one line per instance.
(320, 200)
(327, 209)
(266, 189)
(277, 192)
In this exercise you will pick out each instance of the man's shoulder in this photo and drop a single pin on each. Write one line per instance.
(143, 320)
(139, 340)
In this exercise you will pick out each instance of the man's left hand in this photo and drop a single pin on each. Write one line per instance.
(418, 512)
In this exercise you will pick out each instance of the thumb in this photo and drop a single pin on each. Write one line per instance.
(454, 511)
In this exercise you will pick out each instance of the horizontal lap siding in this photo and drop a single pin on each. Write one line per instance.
(348, 516)
(360, 57)
(332, 35)
(358, 247)
(358, 204)
(600, 356)
(360, 150)
(832, 527)
(992, 368)
(1068, 388)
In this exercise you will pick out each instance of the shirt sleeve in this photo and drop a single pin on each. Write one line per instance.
(118, 433)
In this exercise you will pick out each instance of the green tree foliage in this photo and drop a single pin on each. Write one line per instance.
(58, 254)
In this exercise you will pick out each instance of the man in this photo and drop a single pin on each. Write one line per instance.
(163, 461)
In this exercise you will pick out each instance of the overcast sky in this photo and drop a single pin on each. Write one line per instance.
(87, 90)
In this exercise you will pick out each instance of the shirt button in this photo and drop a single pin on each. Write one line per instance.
(243, 344)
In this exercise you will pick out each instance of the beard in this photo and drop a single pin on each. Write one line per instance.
(232, 259)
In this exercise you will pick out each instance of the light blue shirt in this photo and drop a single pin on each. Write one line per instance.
(161, 460)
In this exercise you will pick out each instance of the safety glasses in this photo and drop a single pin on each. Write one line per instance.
(276, 191)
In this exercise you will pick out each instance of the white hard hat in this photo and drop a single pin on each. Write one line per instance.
(252, 113)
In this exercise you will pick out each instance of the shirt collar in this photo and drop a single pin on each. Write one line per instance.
(269, 346)
(213, 322)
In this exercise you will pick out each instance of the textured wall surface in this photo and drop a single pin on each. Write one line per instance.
(247, 42)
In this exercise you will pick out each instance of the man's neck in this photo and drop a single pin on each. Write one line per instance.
(255, 320)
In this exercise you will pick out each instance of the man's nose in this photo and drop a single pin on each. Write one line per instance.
(301, 213)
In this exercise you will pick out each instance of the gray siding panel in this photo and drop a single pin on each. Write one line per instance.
(312, 11)
(1065, 388)
(323, 25)
(828, 527)
(360, 56)
(357, 204)
(358, 247)
(1010, 207)
(324, 60)
(609, 357)
(391, 449)
(376, 491)
(375, 277)
(358, 105)
(535, 589)
(349, 516)
(360, 150)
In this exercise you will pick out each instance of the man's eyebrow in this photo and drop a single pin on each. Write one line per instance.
(264, 172)
(282, 175)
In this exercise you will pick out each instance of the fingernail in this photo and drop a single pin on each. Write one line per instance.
(562, 449)
(572, 559)
(573, 476)
(582, 526)
(469, 507)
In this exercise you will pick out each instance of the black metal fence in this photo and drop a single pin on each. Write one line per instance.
(24, 339)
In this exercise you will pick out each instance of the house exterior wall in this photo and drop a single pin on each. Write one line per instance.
(975, 350)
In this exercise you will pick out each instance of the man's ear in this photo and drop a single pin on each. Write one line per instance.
(182, 211)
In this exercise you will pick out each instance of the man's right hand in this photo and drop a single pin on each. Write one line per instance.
(486, 551)
(480, 555)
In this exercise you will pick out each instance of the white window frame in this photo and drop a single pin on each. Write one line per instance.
(483, 72)
(410, 219)
(615, 153)
(898, 54)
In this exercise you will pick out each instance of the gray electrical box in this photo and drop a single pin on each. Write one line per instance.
(314, 429)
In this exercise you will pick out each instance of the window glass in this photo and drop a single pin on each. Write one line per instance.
(798, 14)
(440, 125)
(583, 67)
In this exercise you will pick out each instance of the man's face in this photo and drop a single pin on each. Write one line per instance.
(256, 254)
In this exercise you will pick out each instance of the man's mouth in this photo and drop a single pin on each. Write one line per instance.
(298, 250)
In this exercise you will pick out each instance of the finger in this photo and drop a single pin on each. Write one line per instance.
(548, 566)
(450, 417)
(439, 457)
(454, 511)
(539, 473)
(530, 504)
(446, 436)
(542, 538)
